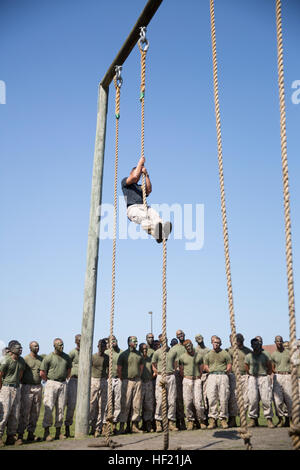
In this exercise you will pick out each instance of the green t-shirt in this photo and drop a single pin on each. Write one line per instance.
(74, 356)
(31, 374)
(242, 353)
(203, 351)
(11, 370)
(217, 361)
(267, 354)
(281, 360)
(150, 352)
(191, 364)
(100, 366)
(258, 364)
(179, 349)
(115, 357)
(147, 371)
(130, 362)
(170, 360)
(56, 366)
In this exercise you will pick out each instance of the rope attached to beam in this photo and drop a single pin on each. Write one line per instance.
(244, 433)
(295, 425)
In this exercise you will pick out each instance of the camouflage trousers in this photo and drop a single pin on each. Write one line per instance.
(218, 392)
(259, 388)
(192, 399)
(171, 397)
(179, 397)
(233, 409)
(31, 400)
(204, 390)
(282, 394)
(54, 396)
(116, 387)
(98, 402)
(71, 400)
(147, 400)
(10, 399)
(131, 398)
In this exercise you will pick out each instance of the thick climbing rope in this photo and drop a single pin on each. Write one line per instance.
(244, 433)
(143, 47)
(118, 83)
(295, 425)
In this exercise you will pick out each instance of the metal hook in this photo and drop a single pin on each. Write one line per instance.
(143, 39)
(119, 79)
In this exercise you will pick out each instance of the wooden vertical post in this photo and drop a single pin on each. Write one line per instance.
(89, 304)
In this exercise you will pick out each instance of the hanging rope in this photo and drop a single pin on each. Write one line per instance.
(164, 351)
(118, 83)
(244, 433)
(143, 47)
(295, 427)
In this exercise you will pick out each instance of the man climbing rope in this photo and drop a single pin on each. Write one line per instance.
(137, 211)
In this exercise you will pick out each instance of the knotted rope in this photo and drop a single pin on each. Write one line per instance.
(244, 433)
(295, 427)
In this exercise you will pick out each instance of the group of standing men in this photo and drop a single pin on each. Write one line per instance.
(200, 384)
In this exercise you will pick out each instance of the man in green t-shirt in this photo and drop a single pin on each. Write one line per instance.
(233, 410)
(98, 397)
(116, 384)
(217, 363)
(259, 368)
(55, 370)
(130, 368)
(190, 367)
(282, 384)
(171, 364)
(147, 401)
(31, 393)
(11, 372)
(180, 349)
(72, 386)
(201, 348)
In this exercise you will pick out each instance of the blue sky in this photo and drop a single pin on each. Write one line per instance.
(53, 55)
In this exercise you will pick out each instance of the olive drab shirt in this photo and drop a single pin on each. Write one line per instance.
(11, 370)
(242, 353)
(115, 357)
(281, 360)
(130, 361)
(147, 371)
(258, 363)
(31, 375)
(171, 356)
(191, 364)
(217, 361)
(74, 356)
(100, 366)
(56, 366)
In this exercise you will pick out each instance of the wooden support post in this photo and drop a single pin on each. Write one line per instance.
(89, 305)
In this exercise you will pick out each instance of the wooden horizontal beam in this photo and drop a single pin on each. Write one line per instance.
(144, 19)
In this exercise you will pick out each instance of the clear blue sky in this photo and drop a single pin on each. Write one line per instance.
(53, 55)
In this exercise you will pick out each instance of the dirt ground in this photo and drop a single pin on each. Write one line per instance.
(217, 439)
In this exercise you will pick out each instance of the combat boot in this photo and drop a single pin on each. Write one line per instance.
(58, 435)
(281, 422)
(148, 426)
(10, 440)
(212, 423)
(135, 427)
(202, 425)
(122, 430)
(1, 443)
(182, 425)
(252, 423)
(47, 436)
(270, 423)
(224, 424)
(67, 431)
(97, 433)
(287, 422)
(158, 426)
(190, 426)
(30, 437)
(232, 422)
(172, 426)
